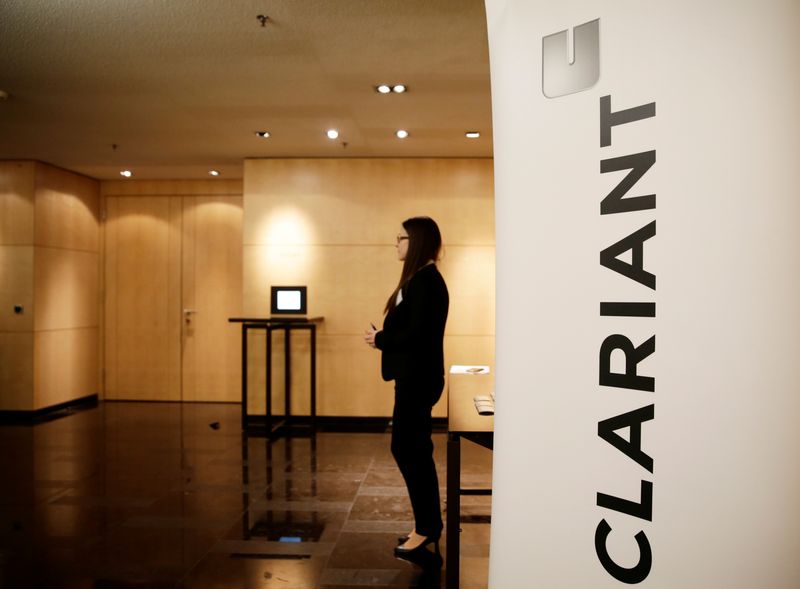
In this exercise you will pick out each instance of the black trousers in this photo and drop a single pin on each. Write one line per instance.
(412, 449)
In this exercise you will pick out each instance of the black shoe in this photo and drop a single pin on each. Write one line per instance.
(422, 557)
(402, 551)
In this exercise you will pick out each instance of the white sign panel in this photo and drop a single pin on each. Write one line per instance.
(647, 165)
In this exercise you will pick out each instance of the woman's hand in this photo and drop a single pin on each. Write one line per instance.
(369, 336)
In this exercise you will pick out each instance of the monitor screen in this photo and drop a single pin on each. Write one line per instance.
(288, 300)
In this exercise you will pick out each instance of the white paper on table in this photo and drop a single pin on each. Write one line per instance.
(468, 369)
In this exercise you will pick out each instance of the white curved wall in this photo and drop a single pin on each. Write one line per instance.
(725, 433)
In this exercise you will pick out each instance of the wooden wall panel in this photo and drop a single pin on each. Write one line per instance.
(469, 273)
(212, 287)
(16, 287)
(171, 187)
(362, 201)
(65, 362)
(66, 290)
(206, 277)
(67, 210)
(16, 371)
(330, 224)
(66, 295)
(17, 186)
(108, 304)
(143, 305)
(350, 382)
(256, 373)
(54, 215)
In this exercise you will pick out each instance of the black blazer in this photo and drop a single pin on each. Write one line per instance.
(413, 332)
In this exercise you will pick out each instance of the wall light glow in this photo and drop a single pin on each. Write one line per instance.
(283, 254)
(285, 226)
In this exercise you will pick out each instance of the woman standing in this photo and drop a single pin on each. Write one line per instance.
(412, 356)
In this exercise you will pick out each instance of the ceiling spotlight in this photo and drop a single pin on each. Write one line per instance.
(262, 134)
(213, 172)
(126, 173)
(472, 134)
(399, 88)
(401, 134)
(383, 89)
(332, 133)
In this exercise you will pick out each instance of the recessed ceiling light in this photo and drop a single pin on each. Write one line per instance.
(332, 133)
(126, 173)
(383, 89)
(262, 134)
(472, 134)
(213, 172)
(401, 133)
(399, 88)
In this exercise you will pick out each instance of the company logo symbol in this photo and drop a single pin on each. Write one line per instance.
(559, 76)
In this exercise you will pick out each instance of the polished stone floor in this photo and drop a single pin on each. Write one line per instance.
(150, 495)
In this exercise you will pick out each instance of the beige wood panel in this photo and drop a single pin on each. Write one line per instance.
(16, 371)
(469, 272)
(348, 373)
(67, 209)
(348, 285)
(17, 185)
(16, 287)
(66, 288)
(256, 373)
(171, 187)
(212, 288)
(101, 298)
(65, 365)
(363, 201)
(143, 304)
(108, 302)
(469, 350)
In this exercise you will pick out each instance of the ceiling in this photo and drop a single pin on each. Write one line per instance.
(172, 89)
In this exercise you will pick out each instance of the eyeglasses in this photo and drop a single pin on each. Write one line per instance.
(401, 238)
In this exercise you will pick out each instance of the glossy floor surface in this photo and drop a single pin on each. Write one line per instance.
(150, 495)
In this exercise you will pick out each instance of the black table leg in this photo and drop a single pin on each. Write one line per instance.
(244, 376)
(269, 379)
(453, 509)
(287, 374)
(313, 376)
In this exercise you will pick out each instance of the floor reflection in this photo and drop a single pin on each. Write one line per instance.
(149, 496)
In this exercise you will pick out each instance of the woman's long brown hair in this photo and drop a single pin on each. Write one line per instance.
(424, 244)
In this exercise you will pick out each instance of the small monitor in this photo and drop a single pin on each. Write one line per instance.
(288, 300)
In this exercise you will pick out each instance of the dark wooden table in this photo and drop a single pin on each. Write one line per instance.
(287, 325)
(463, 421)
